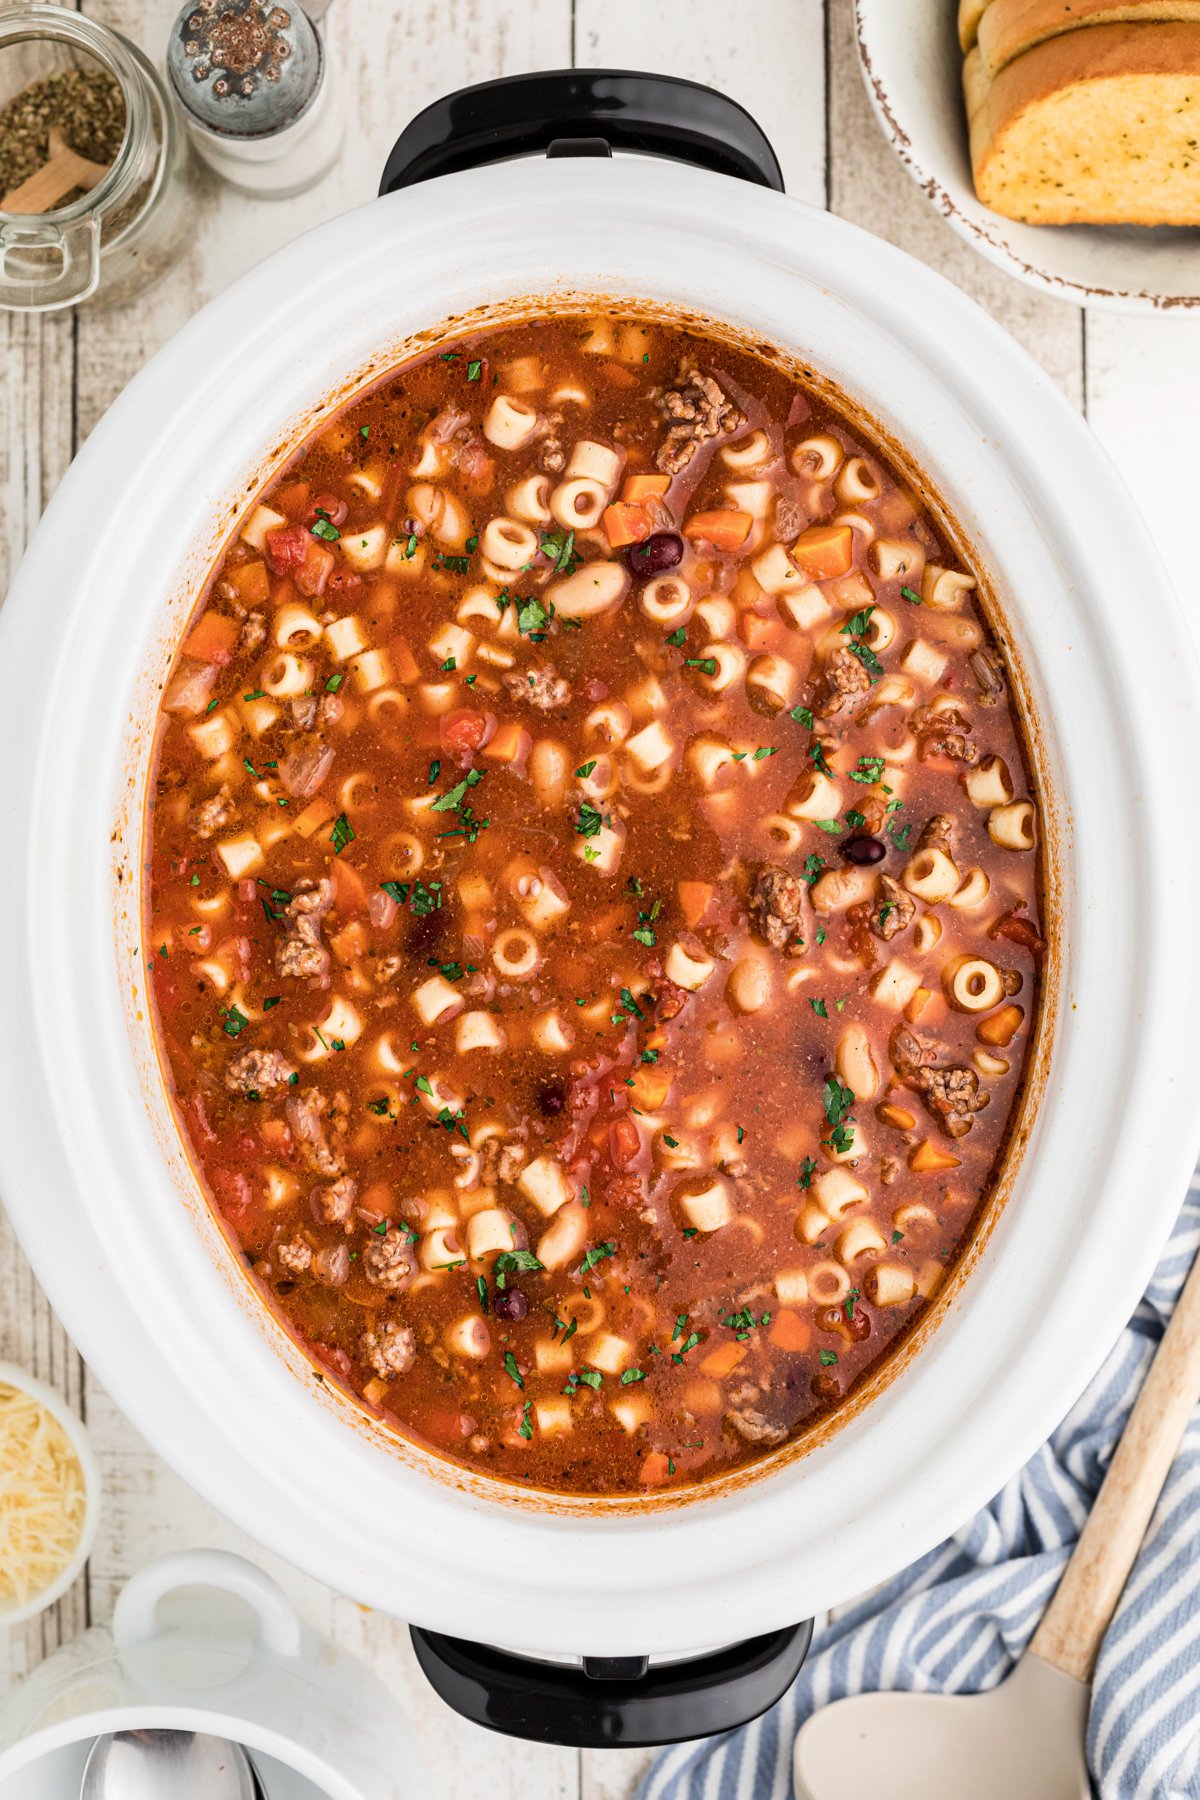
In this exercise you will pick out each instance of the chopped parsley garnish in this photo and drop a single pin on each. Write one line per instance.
(803, 716)
(233, 1021)
(511, 1369)
(325, 527)
(832, 826)
(631, 1375)
(854, 629)
(839, 1100)
(689, 1343)
(334, 683)
(559, 546)
(899, 835)
(342, 834)
(510, 1260)
(813, 864)
(525, 1428)
(597, 1254)
(531, 617)
(584, 770)
(808, 1169)
(765, 750)
(271, 1000)
(678, 637)
(868, 771)
(589, 821)
(707, 665)
(820, 1008)
(379, 1107)
(455, 565)
(818, 756)
(453, 800)
(911, 595)
(474, 369)
(827, 1358)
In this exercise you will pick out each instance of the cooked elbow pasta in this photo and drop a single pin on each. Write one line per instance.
(593, 903)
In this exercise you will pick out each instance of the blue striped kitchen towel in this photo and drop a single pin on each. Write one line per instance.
(956, 1621)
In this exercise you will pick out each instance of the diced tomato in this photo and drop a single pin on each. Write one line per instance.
(724, 529)
(1019, 930)
(407, 668)
(277, 1137)
(626, 523)
(645, 487)
(463, 729)
(824, 551)
(232, 1188)
(316, 569)
(212, 638)
(624, 1141)
(287, 548)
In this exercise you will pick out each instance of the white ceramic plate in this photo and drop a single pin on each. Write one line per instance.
(912, 65)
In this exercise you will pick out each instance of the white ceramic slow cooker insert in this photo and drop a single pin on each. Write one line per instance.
(91, 1168)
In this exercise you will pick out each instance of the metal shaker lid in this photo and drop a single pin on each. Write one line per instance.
(242, 67)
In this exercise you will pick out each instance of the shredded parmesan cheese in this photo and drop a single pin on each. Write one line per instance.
(42, 1498)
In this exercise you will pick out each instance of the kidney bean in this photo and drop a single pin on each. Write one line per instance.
(661, 551)
(863, 849)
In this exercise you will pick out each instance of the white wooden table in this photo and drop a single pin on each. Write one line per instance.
(792, 63)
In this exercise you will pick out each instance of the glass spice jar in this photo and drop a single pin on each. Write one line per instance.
(65, 74)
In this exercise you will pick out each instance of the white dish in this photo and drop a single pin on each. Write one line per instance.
(130, 1254)
(12, 1375)
(912, 66)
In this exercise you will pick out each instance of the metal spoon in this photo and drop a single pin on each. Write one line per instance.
(167, 1765)
(1026, 1737)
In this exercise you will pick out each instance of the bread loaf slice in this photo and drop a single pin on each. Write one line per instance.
(1007, 28)
(1099, 126)
(969, 14)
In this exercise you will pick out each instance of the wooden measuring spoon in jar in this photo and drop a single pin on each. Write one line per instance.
(65, 170)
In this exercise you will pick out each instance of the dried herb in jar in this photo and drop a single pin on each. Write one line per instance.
(86, 105)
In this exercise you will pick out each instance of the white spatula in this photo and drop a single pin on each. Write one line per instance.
(1026, 1737)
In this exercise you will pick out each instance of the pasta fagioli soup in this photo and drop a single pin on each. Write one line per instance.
(593, 903)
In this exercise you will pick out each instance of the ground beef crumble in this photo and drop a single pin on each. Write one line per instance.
(781, 910)
(698, 409)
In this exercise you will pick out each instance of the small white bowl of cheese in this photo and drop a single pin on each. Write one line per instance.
(49, 1495)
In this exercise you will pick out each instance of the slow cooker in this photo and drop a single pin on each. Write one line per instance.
(690, 217)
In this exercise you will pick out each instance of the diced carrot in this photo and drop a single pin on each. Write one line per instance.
(350, 890)
(616, 376)
(293, 499)
(927, 1158)
(655, 1469)
(745, 590)
(724, 529)
(351, 941)
(650, 1086)
(694, 900)
(755, 631)
(626, 523)
(645, 487)
(723, 1360)
(824, 551)
(252, 583)
(212, 638)
(1001, 1027)
(917, 1004)
(318, 812)
(407, 668)
(789, 1332)
(510, 743)
(897, 1116)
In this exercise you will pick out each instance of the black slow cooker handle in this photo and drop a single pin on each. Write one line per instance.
(612, 1701)
(582, 112)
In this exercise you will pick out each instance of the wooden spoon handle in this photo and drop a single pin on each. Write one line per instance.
(1074, 1623)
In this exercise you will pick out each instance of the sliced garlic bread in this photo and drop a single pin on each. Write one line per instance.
(969, 14)
(1008, 28)
(1098, 126)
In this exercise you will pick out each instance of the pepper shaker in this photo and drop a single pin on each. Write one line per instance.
(254, 84)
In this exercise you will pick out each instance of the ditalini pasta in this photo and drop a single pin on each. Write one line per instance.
(593, 903)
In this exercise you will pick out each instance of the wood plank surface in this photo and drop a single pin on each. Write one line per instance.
(792, 63)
